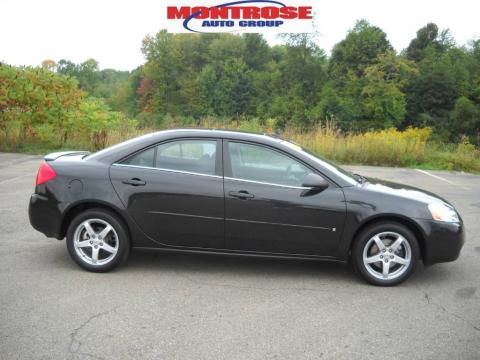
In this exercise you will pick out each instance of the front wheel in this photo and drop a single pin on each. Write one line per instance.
(385, 254)
(97, 240)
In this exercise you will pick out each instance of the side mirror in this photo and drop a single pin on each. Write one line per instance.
(315, 182)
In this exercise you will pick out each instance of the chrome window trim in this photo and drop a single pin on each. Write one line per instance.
(168, 170)
(212, 176)
(267, 183)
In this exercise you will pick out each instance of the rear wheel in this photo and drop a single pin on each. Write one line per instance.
(97, 240)
(385, 254)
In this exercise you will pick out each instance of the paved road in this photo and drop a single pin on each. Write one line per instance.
(165, 306)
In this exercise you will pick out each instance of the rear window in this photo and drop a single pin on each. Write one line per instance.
(145, 158)
(196, 156)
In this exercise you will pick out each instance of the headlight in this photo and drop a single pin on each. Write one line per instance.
(441, 212)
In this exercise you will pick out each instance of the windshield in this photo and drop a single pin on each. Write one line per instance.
(329, 165)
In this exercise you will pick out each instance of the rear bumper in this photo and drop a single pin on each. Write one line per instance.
(443, 241)
(44, 216)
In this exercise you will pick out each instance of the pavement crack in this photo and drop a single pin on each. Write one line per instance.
(75, 344)
(444, 309)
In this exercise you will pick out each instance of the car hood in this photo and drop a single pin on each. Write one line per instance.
(401, 190)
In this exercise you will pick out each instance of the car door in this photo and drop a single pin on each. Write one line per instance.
(268, 210)
(174, 192)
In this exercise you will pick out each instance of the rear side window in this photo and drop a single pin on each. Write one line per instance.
(196, 156)
(145, 158)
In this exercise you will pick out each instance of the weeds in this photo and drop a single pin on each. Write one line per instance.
(412, 147)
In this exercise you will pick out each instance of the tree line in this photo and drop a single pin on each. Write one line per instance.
(363, 85)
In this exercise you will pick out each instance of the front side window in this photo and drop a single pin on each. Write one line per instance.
(259, 163)
(197, 156)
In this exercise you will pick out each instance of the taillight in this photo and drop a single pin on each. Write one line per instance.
(45, 173)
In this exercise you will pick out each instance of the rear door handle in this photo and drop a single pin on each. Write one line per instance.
(242, 194)
(134, 182)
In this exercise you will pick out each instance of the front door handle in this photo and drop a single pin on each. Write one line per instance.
(242, 194)
(134, 182)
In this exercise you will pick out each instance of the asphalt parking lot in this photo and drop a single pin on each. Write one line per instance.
(166, 306)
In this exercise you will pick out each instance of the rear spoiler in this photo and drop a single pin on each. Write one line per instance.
(54, 156)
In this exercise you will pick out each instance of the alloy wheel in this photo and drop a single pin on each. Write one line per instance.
(95, 241)
(387, 255)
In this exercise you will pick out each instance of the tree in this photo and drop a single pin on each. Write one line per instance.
(362, 92)
(95, 119)
(34, 97)
(302, 75)
(41, 102)
(383, 98)
(360, 49)
(162, 71)
(426, 36)
(257, 52)
(431, 95)
(225, 47)
(429, 37)
(108, 84)
(49, 65)
(466, 117)
(68, 68)
(87, 75)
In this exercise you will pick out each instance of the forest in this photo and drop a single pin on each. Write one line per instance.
(362, 103)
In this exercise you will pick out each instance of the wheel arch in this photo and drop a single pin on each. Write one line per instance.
(405, 221)
(79, 207)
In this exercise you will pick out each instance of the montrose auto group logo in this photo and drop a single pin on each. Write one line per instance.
(249, 16)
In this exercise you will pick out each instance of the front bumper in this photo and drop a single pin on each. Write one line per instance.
(443, 241)
(44, 215)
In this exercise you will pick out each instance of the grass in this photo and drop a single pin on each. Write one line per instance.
(409, 148)
(412, 147)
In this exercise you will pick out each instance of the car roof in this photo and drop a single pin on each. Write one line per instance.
(147, 140)
(223, 133)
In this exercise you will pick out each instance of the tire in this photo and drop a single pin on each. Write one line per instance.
(385, 253)
(93, 250)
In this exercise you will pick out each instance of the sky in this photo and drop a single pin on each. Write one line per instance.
(112, 31)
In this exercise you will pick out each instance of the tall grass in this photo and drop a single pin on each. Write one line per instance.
(412, 147)
(385, 147)
(409, 148)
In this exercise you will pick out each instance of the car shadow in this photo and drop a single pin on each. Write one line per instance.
(246, 267)
(432, 274)
(193, 266)
(236, 266)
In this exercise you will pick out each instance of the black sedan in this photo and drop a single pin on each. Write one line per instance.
(225, 192)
